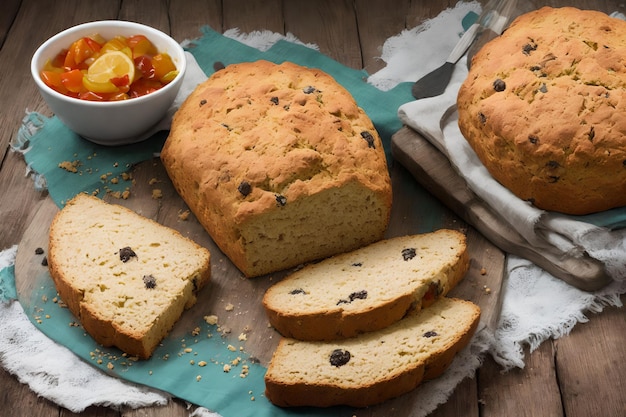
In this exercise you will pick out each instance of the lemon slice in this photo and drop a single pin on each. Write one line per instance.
(112, 64)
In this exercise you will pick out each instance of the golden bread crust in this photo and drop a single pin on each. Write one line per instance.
(544, 107)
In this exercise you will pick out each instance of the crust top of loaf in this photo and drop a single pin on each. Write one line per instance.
(544, 107)
(227, 123)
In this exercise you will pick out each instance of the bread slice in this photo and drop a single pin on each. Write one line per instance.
(125, 277)
(372, 367)
(367, 289)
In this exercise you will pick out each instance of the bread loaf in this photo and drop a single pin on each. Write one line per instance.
(279, 165)
(367, 289)
(372, 367)
(126, 278)
(544, 108)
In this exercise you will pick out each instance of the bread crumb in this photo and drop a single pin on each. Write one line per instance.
(212, 319)
(110, 365)
(157, 193)
(232, 348)
(202, 363)
(196, 331)
(483, 271)
(198, 378)
(243, 337)
(70, 166)
(229, 307)
(153, 181)
(226, 368)
(184, 215)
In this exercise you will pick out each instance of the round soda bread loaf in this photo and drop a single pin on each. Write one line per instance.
(372, 367)
(367, 289)
(279, 165)
(126, 278)
(544, 107)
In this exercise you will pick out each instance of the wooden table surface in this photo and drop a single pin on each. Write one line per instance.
(579, 375)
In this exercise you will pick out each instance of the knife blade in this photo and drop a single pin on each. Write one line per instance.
(435, 82)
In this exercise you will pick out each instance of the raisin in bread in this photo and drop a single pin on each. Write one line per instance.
(367, 289)
(372, 367)
(280, 166)
(125, 277)
(543, 108)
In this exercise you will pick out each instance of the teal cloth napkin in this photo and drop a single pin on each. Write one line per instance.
(7, 284)
(101, 169)
(66, 164)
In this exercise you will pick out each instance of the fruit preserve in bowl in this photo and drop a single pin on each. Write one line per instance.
(109, 81)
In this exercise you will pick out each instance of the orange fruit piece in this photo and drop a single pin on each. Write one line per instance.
(112, 64)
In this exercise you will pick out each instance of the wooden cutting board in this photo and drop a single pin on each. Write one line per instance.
(228, 287)
(432, 169)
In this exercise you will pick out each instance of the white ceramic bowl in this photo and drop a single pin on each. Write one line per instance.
(117, 122)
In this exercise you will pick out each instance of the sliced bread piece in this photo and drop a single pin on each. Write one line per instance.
(372, 367)
(367, 289)
(126, 278)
